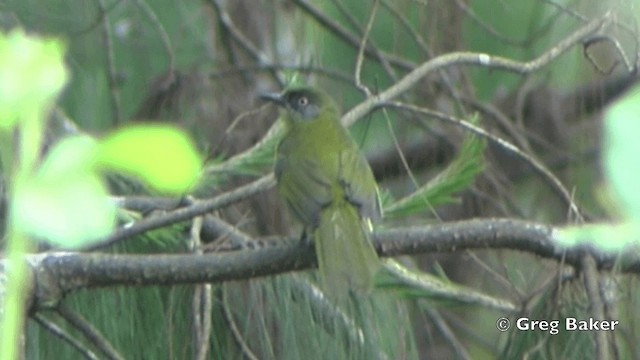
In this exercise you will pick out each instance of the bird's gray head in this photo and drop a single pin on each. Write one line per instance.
(303, 103)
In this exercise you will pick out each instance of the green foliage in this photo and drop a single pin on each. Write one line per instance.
(308, 326)
(31, 75)
(141, 323)
(414, 284)
(137, 49)
(162, 156)
(66, 201)
(252, 161)
(457, 177)
(274, 317)
(538, 344)
(621, 150)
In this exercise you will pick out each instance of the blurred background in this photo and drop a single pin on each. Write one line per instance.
(201, 65)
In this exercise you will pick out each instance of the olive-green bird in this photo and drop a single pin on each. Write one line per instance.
(329, 187)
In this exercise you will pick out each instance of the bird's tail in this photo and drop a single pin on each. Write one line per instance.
(346, 258)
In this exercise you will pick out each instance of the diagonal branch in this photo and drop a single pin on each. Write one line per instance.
(475, 59)
(198, 207)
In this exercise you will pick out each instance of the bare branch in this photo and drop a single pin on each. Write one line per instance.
(363, 44)
(58, 273)
(64, 336)
(591, 284)
(199, 207)
(90, 332)
(474, 59)
(116, 107)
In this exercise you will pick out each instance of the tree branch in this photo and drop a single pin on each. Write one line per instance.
(197, 208)
(58, 273)
(475, 59)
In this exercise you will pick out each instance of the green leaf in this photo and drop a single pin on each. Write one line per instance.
(621, 153)
(162, 156)
(456, 177)
(608, 238)
(75, 154)
(32, 72)
(253, 160)
(66, 202)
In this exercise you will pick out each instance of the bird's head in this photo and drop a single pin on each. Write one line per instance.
(303, 103)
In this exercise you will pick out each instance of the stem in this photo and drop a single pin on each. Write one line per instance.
(14, 310)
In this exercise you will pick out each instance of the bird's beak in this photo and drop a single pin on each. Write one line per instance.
(273, 97)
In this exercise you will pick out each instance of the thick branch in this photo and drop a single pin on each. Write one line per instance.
(58, 273)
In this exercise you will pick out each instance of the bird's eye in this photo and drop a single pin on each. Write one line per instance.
(303, 101)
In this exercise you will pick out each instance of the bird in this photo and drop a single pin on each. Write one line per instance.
(329, 187)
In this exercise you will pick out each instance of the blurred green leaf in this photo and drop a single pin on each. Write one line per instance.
(440, 190)
(621, 152)
(608, 238)
(66, 202)
(72, 155)
(162, 156)
(32, 73)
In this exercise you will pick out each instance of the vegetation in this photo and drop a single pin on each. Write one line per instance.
(136, 163)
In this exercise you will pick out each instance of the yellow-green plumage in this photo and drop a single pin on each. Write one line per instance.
(329, 187)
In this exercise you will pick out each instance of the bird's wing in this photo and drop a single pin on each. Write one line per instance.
(359, 184)
(305, 188)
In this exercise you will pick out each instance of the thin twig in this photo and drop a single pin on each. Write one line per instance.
(64, 336)
(214, 227)
(235, 332)
(199, 207)
(491, 111)
(449, 336)
(240, 69)
(365, 41)
(112, 76)
(250, 114)
(591, 281)
(474, 59)
(164, 37)
(90, 333)
(497, 277)
(348, 37)
(363, 45)
(616, 44)
(402, 18)
(490, 29)
(550, 178)
(244, 42)
(565, 9)
(202, 302)
(102, 13)
(405, 163)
